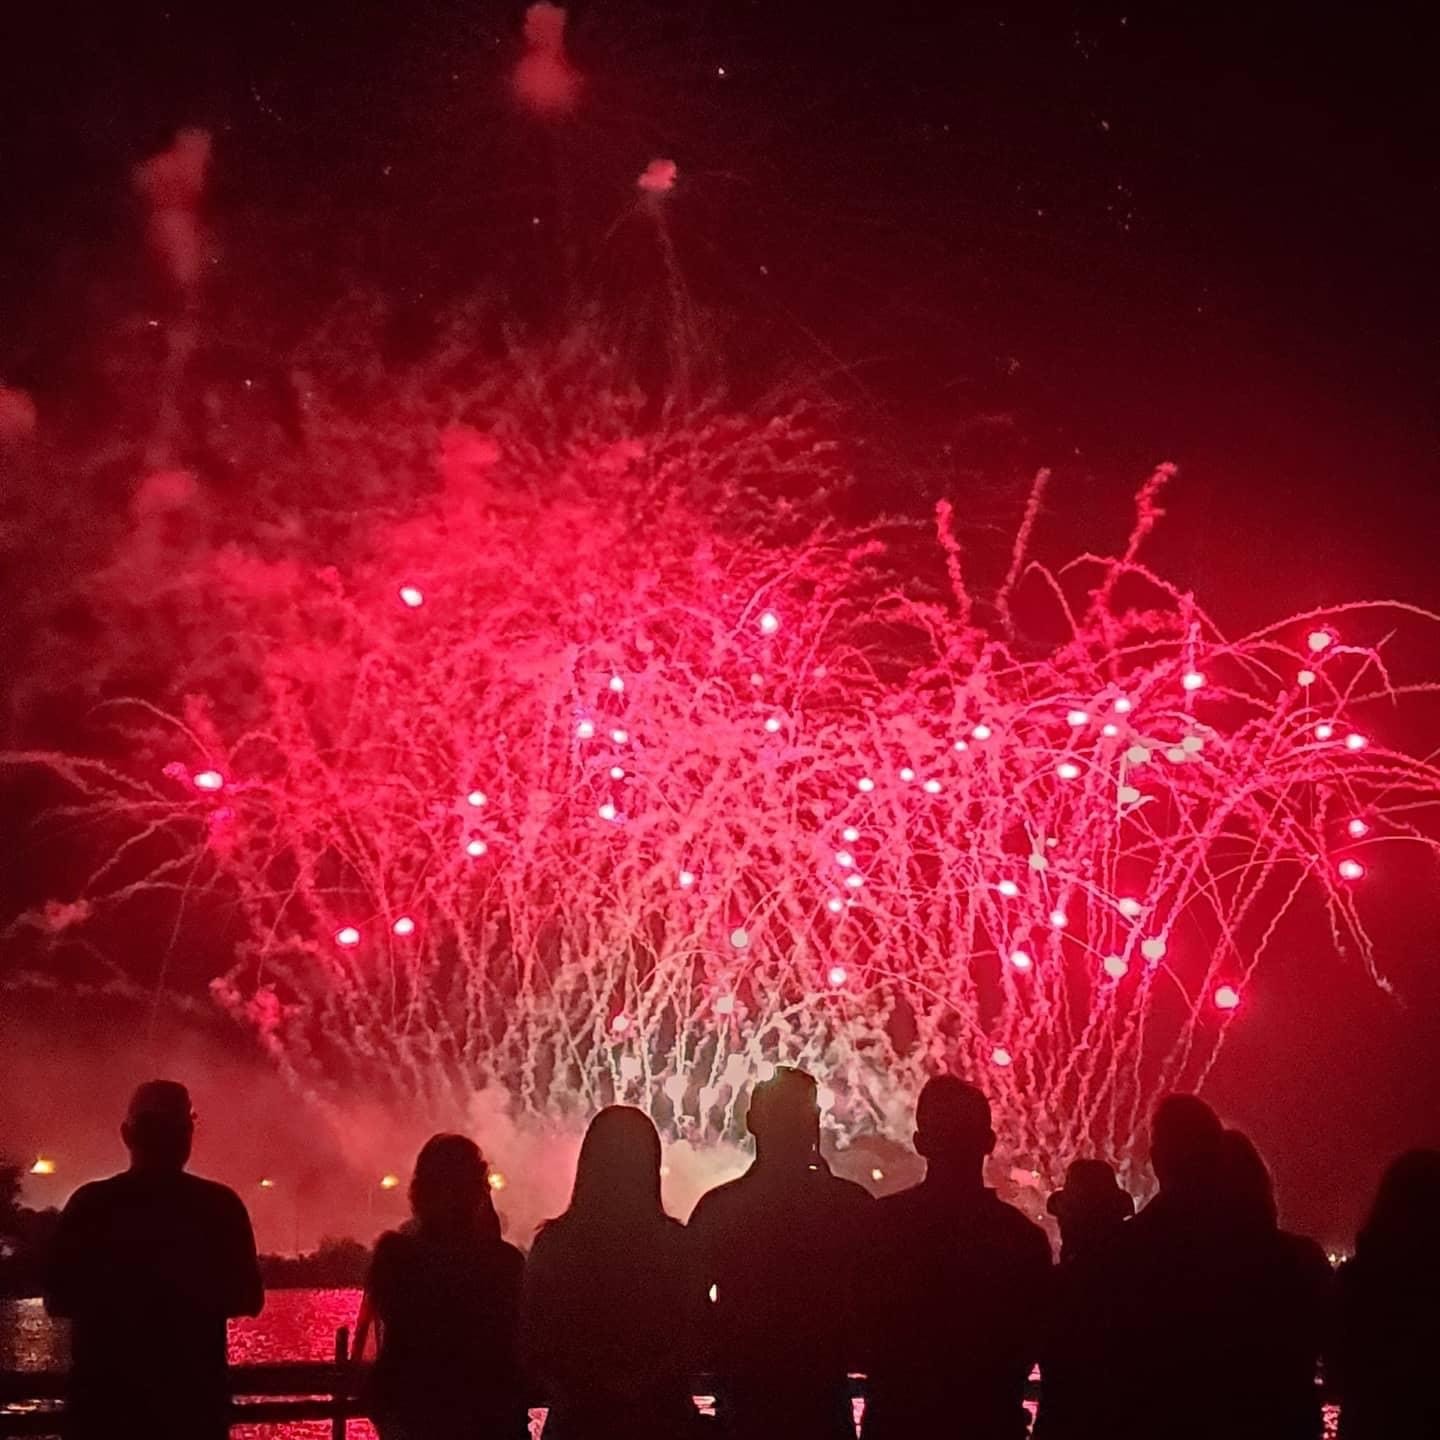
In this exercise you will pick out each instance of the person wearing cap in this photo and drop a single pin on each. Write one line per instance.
(148, 1266)
(779, 1253)
(960, 1286)
(1077, 1395)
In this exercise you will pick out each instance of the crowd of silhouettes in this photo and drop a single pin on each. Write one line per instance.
(1196, 1316)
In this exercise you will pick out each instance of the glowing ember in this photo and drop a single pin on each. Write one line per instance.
(1351, 870)
(1319, 640)
(209, 780)
(1115, 967)
(405, 925)
(412, 596)
(1227, 997)
(1358, 829)
(769, 623)
(837, 976)
(347, 936)
(1021, 960)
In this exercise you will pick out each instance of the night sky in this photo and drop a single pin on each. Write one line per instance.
(1002, 238)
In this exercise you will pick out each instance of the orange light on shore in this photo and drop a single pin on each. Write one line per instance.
(389, 1182)
(267, 1184)
(497, 1180)
(42, 1166)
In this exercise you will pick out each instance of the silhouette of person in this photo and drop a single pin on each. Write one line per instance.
(1289, 1291)
(1383, 1362)
(782, 1248)
(148, 1266)
(444, 1291)
(1091, 1210)
(961, 1286)
(611, 1305)
(1194, 1270)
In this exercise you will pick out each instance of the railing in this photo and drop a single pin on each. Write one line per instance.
(31, 1402)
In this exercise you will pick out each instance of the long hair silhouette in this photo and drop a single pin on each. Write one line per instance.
(450, 1190)
(617, 1179)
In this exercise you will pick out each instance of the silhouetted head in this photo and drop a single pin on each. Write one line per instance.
(617, 1179)
(1402, 1221)
(784, 1117)
(1185, 1143)
(1090, 1206)
(952, 1122)
(1245, 1184)
(159, 1126)
(450, 1189)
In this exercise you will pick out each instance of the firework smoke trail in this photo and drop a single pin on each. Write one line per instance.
(566, 790)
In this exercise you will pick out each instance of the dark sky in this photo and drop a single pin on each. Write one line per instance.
(1015, 235)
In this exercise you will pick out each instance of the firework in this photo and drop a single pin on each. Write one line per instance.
(613, 782)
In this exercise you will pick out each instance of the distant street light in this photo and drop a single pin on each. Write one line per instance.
(42, 1166)
(389, 1182)
(267, 1183)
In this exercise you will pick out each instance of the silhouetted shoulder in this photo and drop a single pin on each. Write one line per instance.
(719, 1200)
(221, 1198)
(1025, 1233)
(91, 1197)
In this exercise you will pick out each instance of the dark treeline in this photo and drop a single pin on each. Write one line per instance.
(1197, 1317)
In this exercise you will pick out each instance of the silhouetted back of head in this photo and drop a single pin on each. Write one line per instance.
(1245, 1183)
(617, 1179)
(1090, 1205)
(450, 1189)
(784, 1116)
(1185, 1143)
(1402, 1222)
(159, 1126)
(952, 1122)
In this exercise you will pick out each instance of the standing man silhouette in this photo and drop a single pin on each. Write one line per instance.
(779, 1251)
(148, 1266)
(961, 1287)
